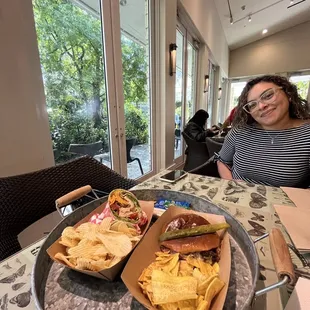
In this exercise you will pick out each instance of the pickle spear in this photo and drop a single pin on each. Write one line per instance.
(195, 231)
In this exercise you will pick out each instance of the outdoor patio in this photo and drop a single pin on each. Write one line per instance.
(141, 151)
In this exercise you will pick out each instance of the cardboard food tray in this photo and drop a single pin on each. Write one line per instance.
(144, 255)
(110, 273)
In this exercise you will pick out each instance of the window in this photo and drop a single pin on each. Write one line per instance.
(185, 84)
(135, 45)
(71, 54)
(85, 118)
(303, 85)
(210, 93)
(235, 92)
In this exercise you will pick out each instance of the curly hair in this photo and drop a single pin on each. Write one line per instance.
(298, 108)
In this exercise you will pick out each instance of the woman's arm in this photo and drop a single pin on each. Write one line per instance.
(224, 171)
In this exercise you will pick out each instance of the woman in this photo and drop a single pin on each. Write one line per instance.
(270, 140)
(195, 127)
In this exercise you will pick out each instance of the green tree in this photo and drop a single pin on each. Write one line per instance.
(302, 87)
(70, 45)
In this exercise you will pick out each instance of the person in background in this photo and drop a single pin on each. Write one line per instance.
(195, 128)
(270, 139)
(229, 119)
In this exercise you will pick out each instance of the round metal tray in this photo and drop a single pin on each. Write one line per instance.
(57, 287)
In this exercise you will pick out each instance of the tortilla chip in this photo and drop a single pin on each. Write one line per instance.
(167, 288)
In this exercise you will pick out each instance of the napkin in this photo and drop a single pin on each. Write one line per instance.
(300, 197)
(296, 222)
(300, 298)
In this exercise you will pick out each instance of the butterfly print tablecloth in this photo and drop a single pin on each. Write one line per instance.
(251, 204)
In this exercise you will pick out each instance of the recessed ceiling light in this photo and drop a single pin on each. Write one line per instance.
(264, 31)
(250, 18)
(292, 2)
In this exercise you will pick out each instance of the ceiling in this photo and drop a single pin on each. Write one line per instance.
(275, 18)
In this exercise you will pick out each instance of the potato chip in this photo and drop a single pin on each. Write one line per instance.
(85, 228)
(62, 257)
(84, 264)
(167, 288)
(70, 233)
(106, 223)
(101, 251)
(84, 250)
(118, 245)
(68, 242)
(213, 289)
(199, 299)
(101, 264)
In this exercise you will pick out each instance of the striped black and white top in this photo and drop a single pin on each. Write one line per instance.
(270, 157)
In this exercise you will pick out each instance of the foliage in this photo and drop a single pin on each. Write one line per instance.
(302, 87)
(70, 48)
(136, 124)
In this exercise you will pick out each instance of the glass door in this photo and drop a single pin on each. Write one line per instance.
(136, 61)
(185, 85)
(71, 52)
(303, 85)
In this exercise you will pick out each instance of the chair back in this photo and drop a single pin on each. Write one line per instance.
(209, 168)
(28, 197)
(90, 149)
(213, 146)
(196, 153)
(129, 145)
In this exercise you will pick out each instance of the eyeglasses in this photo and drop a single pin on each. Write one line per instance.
(268, 97)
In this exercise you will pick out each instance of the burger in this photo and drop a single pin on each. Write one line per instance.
(191, 234)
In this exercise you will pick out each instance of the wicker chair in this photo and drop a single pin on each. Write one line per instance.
(28, 197)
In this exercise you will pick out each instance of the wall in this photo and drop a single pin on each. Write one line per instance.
(24, 130)
(285, 51)
(205, 17)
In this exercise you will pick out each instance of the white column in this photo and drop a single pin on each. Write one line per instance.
(25, 140)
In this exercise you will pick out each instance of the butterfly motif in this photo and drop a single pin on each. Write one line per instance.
(19, 273)
(7, 266)
(258, 230)
(258, 201)
(249, 184)
(212, 192)
(4, 302)
(258, 217)
(22, 300)
(231, 199)
(238, 213)
(17, 286)
(261, 189)
(233, 187)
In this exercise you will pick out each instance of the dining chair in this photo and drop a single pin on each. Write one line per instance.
(29, 197)
(129, 145)
(90, 149)
(196, 153)
(213, 146)
(209, 168)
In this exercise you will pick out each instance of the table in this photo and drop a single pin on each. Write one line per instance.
(251, 204)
